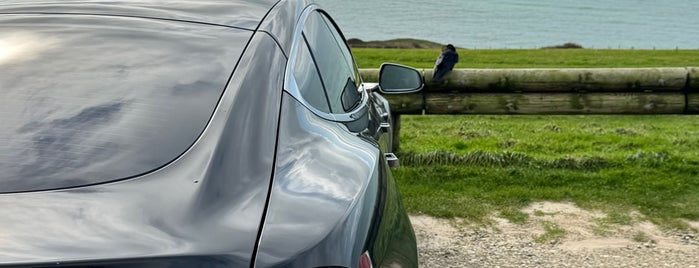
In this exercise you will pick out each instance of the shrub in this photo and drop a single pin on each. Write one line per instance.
(566, 45)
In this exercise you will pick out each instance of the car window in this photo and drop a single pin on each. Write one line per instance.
(337, 70)
(346, 53)
(308, 79)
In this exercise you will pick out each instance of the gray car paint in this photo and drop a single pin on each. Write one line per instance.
(203, 208)
(87, 105)
(216, 204)
(324, 193)
(240, 14)
(332, 195)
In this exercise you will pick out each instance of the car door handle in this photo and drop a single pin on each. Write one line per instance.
(392, 160)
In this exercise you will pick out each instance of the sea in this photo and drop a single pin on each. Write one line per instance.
(523, 24)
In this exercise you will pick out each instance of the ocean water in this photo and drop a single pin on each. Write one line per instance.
(639, 24)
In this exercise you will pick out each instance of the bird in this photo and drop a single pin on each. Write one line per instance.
(445, 62)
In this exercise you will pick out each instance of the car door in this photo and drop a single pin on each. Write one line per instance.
(331, 185)
(342, 83)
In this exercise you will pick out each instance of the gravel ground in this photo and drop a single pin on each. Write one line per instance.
(586, 242)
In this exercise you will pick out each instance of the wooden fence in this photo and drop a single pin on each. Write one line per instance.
(551, 91)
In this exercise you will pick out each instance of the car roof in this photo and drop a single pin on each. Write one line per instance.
(231, 13)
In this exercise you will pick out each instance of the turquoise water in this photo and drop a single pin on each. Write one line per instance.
(641, 24)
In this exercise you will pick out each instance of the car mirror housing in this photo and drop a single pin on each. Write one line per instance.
(399, 79)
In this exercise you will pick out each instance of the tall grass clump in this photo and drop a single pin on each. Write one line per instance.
(504, 159)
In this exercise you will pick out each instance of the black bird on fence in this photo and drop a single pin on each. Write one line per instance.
(445, 62)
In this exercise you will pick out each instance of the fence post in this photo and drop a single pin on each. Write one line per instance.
(396, 132)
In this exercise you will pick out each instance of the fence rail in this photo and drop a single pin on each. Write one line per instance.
(553, 91)
(550, 91)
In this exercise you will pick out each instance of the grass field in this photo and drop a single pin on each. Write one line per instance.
(473, 166)
(531, 58)
(476, 166)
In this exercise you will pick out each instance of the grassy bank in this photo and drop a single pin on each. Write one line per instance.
(531, 58)
(476, 166)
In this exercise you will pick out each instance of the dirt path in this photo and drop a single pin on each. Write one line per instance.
(556, 235)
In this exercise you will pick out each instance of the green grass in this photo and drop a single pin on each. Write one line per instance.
(473, 167)
(514, 216)
(531, 58)
(641, 237)
(553, 233)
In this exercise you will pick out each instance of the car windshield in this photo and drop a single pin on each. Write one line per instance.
(90, 99)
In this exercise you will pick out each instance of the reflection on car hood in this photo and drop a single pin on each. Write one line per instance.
(247, 14)
(204, 209)
(90, 99)
(158, 216)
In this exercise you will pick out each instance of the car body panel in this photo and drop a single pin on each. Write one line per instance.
(332, 196)
(324, 193)
(332, 199)
(205, 206)
(99, 91)
(240, 14)
(393, 243)
(282, 22)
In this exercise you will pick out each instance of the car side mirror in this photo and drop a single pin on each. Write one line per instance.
(398, 79)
